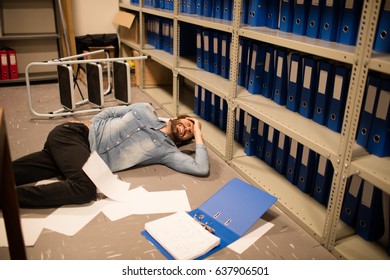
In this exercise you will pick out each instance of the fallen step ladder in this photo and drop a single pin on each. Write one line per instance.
(94, 71)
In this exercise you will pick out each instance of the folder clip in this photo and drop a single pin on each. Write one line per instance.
(205, 225)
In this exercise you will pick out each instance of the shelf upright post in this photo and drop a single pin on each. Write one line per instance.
(142, 41)
(234, 55)
(365, 41)
(61, 27)
(176, 53)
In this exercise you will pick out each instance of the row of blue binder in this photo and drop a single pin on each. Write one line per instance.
(213, 51)
(336, 21)
(160, 35)
(382, 36)
(374, 125)
(309, 171)
(219, 9)
(366, 209)
(210, 107)
(317, 89)
(162, 4)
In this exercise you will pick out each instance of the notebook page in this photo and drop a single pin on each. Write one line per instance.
(182, 236)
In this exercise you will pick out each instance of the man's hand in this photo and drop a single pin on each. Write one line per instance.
(198, 135)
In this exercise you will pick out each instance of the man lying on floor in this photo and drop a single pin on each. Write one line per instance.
(123, 137)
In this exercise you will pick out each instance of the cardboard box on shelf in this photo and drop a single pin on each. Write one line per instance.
(128, 26)
(155, 73)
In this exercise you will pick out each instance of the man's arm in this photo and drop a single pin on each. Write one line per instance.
(198, 166)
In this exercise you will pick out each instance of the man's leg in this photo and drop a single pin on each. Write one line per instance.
(34, 167)
(69, 147)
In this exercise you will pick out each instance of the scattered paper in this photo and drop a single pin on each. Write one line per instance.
(143, 202)
(101, 175)
(71, 219)
(243, 243)
(31, 229)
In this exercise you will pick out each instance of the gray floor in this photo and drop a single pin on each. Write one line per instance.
(103, 239)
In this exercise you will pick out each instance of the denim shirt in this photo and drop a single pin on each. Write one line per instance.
(130, 135)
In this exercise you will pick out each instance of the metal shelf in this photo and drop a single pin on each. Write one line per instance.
(356, 248)
(373, 169)
(380, 62)
(127, 5)
(321, 48)
(162, 57)
(303, 209)
(29, 37)
(317, 137)
(158, 12)
(210, 81)
(217, 24)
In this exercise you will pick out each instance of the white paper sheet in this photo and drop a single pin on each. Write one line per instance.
(71, 219)
(243, 243)
(143, 202)
(107, 183)
(31, 228)
(119, 210)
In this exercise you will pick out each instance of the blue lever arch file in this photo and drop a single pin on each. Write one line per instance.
(230, 212)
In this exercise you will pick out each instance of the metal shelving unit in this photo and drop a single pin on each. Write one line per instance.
(323, 223)
(32, 42)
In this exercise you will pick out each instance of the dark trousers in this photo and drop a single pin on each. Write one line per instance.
(64, 153)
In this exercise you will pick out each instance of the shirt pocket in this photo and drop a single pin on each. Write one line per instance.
(149, 143)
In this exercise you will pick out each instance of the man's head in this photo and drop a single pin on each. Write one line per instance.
(182, 130)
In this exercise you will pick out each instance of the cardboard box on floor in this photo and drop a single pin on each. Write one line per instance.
(155, 73)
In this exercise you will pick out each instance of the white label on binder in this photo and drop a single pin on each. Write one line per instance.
(206, 43)
(270, 134)
(260, 128)
(294, 148)
(203, 95)
(280, 66)
(223, 46)
(307, 79)
(329, 3)
(248, 121)
(370, 99)
(253, 63)
(383, 105)
(305, 156)
(322, 165)
(215, 44)
(368, 192)
(355, 185)
(267, 61)
(294, 71)
(282, 136)
(338, 83)
(349, 4)
(322, 82)
(198, 40)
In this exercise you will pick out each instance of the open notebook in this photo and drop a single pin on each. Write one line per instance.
(182, 236)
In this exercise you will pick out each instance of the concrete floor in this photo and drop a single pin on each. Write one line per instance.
(103, 239)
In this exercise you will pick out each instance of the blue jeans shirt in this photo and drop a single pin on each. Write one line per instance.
(130, 135)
